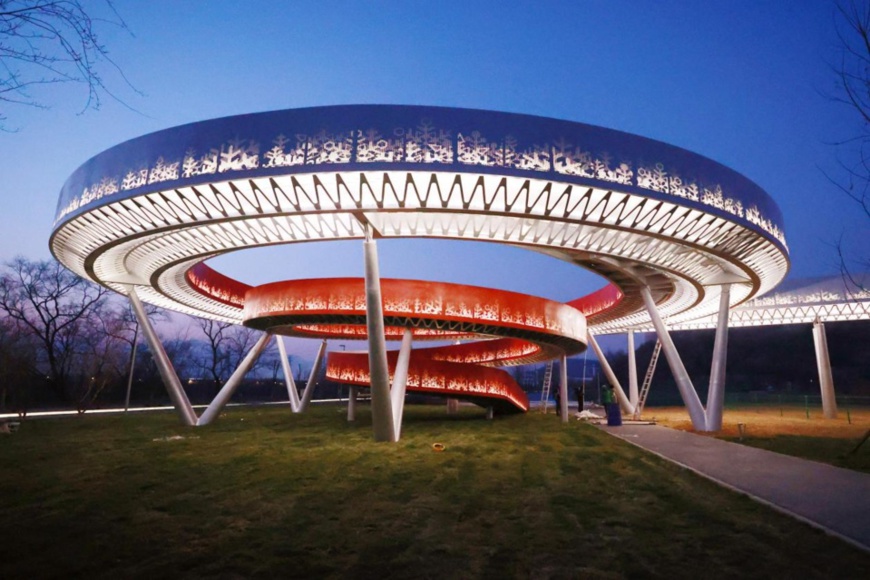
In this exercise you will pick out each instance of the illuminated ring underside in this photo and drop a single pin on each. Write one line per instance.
(638, 212)
(522, 329)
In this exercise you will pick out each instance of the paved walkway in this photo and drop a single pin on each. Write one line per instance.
(834, 499)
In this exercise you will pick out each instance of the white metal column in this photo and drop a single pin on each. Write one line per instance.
(382, 412)
(351, 402)
(312, 378)
(826, 377)
(632, 371)
(684, 383)
(167, 373)
(132, 369)
(716, 392)
(624, 403)
(226, 393)
(292, 391)
(400, 381)
(563, 388)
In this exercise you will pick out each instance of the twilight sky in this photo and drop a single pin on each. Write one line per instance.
(741, 82)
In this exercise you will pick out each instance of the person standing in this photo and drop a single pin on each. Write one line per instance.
(580, 393)
(611, 407)
(606, 397)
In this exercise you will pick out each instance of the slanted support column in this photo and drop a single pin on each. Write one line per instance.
(312, 378)
(633, 395)
(684, 383)
(563, 388)
(292, 391)
(132, 369)
(400, 381)
(382, 412)
(716, 392)
(826, 377)
(351, 402)
(624, 403)
(226, 393)
(167, 373)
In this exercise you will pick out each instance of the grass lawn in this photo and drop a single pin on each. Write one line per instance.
(789, 431)
(264, 493)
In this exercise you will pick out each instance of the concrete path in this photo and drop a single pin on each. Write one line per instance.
(834, 499)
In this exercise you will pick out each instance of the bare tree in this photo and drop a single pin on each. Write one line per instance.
(214, 361)
(102, 358)
(225, 346)
(853, 88)
(180, 350)
(241, 340)
(57, 306)
(44, 42)
(17, 368)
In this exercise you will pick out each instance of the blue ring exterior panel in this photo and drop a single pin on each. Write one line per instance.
(415, 138)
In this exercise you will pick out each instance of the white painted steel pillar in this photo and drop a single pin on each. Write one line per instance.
(563, 388)
(400, 381)
(633, 394)
(132, 369)
(624, 403)
(167, 373)
(226, 393)
(826, 377)
(716, 392)
(292, 391)
(312, 378)
(382, 412)
(684, 383)
(351, 402)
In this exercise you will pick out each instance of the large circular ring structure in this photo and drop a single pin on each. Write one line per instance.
(637, 211)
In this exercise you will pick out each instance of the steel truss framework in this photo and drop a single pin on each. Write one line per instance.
(648, 217)
(800, 301)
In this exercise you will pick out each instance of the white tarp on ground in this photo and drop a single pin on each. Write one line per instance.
(587, 415)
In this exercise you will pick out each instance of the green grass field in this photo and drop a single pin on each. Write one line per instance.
(264, 493)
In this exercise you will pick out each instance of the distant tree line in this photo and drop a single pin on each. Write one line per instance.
(65, 342)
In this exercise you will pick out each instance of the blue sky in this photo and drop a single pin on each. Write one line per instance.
(741, 82)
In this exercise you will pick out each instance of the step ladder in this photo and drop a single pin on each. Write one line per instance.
(545, 391)
(647, 380)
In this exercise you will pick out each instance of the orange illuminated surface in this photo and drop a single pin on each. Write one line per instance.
(507, 328)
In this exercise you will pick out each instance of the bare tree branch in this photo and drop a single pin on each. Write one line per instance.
(44, 42)
(57, 307)
(853, 76)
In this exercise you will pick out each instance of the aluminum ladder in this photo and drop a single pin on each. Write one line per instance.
(647, 380)
(548, 381)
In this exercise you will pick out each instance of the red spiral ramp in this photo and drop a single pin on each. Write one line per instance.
(507, 328)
